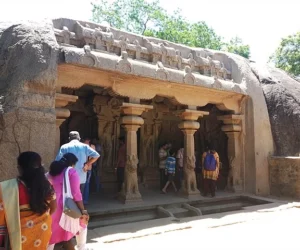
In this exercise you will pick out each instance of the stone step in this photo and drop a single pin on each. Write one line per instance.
(220, 208)
(179, 212)
(123, 218)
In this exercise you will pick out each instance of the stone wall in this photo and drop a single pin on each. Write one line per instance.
(285, 176)
(28, 63)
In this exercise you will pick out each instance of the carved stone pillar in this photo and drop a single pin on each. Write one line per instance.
(61, 100)
(131, 121)
(233, 127)
(189, 126)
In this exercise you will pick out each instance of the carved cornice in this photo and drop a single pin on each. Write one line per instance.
(72, 33)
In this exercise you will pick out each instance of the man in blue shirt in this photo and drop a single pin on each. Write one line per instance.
(85, 154)
(170, 171)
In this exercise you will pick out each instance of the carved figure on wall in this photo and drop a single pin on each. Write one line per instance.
(130, 186)
(224, 72)
(107, 145)
(138, 49)
(189, 78)
(123, 43)
(66, 34)
(161, 72)
(215, 67)
(148, 146)
(123, 64)
(190, 183)
(179, 59)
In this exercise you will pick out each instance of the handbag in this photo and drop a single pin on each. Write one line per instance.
(70, 207)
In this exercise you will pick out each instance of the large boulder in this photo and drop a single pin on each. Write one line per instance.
(282, 94)
(28, 62)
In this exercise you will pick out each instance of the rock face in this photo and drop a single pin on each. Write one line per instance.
(282, 94)
(28, 56)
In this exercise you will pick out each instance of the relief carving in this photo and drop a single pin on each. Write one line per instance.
(215, 67)
(179, 59)
(161, 72)
(123, 64)
(154, 50)
(65, 34)
(107, 142)
(189, 78)
(217, 84)
(130, 186)
(123, 42)
(138, 49)
(190, 61)
(103, 39)
(204, 65)
(224, 72)
(189, 183)
(89, 59)
(148, 146)
(168, 53)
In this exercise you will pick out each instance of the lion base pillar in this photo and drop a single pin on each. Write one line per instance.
(131, 122)
(233, 129)
(189, 126)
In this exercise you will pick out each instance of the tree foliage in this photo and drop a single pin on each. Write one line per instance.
(287, 55)
(236, 46)
(150, 19)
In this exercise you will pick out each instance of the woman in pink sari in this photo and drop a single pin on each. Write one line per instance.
(56, 177)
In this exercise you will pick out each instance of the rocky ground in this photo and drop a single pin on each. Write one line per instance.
(272, 226)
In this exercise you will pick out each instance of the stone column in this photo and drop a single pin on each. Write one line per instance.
(131, 121)
(189, 126)
(233, 128)
(61, 100)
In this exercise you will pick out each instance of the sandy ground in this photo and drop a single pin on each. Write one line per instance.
(272, 226)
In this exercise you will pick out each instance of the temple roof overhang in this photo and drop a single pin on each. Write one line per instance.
(140, 67)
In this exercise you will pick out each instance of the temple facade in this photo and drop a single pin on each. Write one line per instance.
(110, 83)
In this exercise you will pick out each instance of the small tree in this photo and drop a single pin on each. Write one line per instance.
(287, 55)
(236, 46)
(148, 18)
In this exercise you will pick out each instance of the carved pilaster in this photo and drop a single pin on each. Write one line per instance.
(131, 121)
(189, 126)
(61, 100)
(233, 127)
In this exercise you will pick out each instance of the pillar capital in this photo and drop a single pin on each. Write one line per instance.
(189, 126)
(62, 100)
(134, 109)
(190, 115)
(232, 123)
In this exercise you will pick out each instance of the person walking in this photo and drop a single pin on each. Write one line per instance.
(82, 152)
(170, 171)
(26, 205)
(56, 176)
(211, 164)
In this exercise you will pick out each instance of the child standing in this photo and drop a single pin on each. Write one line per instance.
(170, 171)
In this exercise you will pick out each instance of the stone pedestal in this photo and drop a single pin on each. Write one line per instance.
(189, 126)
(131, 121)
(233, 127)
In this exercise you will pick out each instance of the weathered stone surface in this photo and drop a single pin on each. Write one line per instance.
(28, 62)
(285, 176)
(282, 95)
